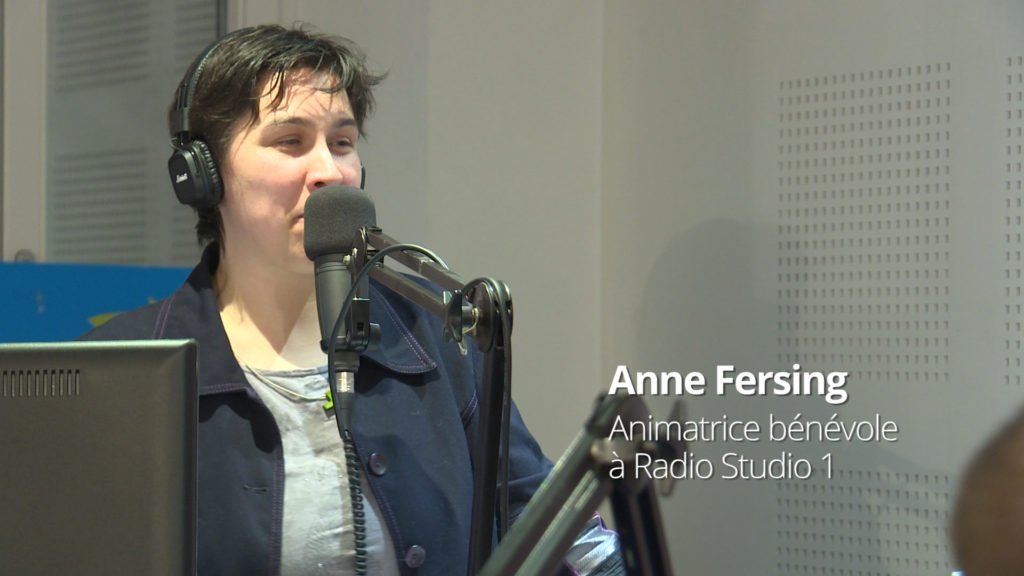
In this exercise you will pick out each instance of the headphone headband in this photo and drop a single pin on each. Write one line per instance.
(187, 87)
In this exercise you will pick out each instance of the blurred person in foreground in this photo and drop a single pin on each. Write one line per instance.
(987, 529)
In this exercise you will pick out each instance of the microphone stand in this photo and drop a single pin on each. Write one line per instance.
(479, 312)
(567, 499)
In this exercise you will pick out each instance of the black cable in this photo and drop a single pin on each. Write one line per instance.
(363, 273)
(360, 563)
(355, 485)
(341, 409)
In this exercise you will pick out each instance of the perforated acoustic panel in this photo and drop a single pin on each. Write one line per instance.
(99, 200)
(864, 286)
(863, 523)
(99, 43)
(1013, 228)
(113, 66)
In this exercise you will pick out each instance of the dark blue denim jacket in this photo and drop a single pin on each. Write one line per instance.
(414, 418)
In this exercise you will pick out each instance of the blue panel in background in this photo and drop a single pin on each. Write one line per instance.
(53, 302)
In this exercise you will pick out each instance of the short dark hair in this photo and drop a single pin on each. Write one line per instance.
(231, 84)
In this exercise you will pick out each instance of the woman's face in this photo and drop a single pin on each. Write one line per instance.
(308, 141)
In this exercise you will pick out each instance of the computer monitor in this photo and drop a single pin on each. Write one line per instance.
(98, 458)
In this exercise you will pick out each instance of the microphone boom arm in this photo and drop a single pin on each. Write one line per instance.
(572, 492)
(477, 316)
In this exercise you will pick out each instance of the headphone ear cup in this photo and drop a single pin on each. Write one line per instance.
(194, 176)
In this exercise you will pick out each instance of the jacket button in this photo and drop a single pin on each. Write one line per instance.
(415, 556)
(378, 464)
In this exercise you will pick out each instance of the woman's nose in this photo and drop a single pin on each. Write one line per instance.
(328, 169)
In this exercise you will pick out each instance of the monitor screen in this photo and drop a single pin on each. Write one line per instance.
(98, 458)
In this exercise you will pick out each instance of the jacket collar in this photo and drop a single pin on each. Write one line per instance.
(192, 312)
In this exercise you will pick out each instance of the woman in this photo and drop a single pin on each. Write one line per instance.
(263, 118)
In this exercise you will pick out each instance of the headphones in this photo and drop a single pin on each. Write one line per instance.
(193, 172)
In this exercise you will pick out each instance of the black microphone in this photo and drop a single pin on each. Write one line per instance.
(333, 218)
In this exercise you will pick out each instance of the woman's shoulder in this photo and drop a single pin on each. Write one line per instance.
(138, 324)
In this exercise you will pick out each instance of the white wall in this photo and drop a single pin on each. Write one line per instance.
(23, 210)
(678, 241)
(835, 184)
